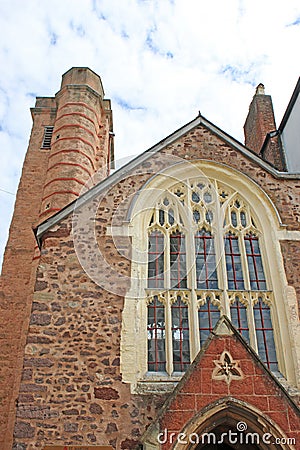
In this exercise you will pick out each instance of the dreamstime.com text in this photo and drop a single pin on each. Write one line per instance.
(238, 436)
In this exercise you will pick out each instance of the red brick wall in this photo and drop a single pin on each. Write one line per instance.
(199, 390)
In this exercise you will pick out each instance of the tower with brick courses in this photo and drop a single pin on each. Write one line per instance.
(70, 142)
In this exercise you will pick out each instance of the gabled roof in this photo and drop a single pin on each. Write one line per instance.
(143, 157)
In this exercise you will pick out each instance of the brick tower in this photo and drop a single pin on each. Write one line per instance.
(71, 140)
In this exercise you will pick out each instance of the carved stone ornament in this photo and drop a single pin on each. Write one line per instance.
(227, 369)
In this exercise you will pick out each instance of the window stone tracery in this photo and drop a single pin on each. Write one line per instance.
(204, 254)
(257, 217)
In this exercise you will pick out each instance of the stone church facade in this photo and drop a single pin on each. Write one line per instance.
(156, 306)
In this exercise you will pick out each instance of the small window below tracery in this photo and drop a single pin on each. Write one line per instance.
(238, 313)
(180, 335)
(264, 334)
(156, 264)
(156, 337)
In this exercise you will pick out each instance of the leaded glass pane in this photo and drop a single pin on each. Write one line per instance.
(156, 267)
(206, 271)
(234, 269)
(180, 336)
(208, 315)
(238, 313)
(156, 337)
(265, 335)
(255, 266)
(178, 261)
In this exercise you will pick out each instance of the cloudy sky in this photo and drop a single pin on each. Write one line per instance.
(161, 61)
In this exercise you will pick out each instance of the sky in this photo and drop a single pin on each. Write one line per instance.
(160, 61)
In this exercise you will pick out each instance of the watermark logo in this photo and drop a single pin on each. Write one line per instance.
(238, 436)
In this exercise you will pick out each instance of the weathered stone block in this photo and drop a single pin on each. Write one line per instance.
(24, 430)
(106, 393)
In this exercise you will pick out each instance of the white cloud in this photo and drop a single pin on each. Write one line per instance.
(161, 61)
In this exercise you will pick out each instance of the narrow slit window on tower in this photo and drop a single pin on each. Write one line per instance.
(48, 131)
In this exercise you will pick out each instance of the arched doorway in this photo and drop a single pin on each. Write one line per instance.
(233, 425)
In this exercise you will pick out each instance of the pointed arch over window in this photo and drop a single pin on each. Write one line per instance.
(207, 241)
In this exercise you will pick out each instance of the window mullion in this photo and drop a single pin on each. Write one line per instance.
(265, 264)
(194, 326)
(190, 260)
(251, 325)
(192, 283)
(167, 261)
(220, 258)
(244, 263)
(169, 344)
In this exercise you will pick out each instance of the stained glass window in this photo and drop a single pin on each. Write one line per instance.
(180, 335)
(156, 337)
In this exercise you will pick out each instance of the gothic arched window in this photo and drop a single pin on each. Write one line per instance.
(204, 259)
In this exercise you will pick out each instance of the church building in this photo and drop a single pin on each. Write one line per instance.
(155, 306)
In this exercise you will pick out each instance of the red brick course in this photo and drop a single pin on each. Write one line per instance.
(262, 393)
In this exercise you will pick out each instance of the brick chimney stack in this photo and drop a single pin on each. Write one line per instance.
(260, 120)
(260, 131)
